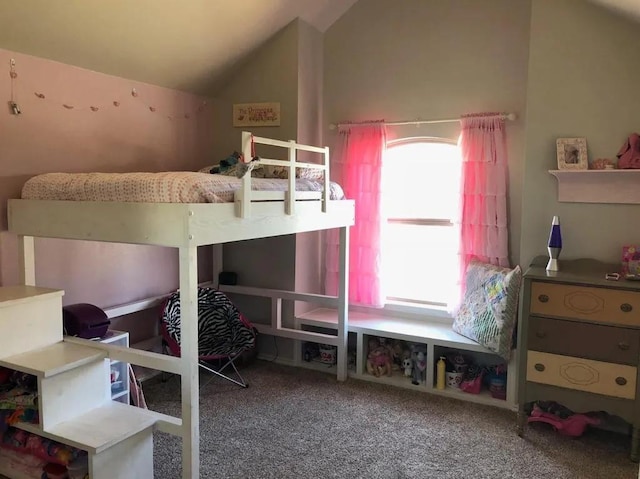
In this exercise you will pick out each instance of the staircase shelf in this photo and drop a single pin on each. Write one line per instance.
(74, 390)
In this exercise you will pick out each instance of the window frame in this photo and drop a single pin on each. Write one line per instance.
(435, 312)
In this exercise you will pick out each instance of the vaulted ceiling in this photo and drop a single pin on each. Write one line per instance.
(183, 44)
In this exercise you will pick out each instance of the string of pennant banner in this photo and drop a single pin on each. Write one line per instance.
(13, 74)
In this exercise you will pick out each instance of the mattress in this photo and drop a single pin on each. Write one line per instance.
(165, 187)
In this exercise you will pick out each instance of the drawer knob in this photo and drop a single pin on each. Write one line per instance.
(541, 334)
(539, 367)
(623, 346)
(626, 307)
(543, 298)
(621, 381)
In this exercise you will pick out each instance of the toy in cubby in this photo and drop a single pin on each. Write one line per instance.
(379, 357)
(386, 356)
(418, 363)
(470, 376)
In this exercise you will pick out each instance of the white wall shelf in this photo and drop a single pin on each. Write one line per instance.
(598, 186)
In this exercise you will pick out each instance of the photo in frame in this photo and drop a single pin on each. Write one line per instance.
(572, 153)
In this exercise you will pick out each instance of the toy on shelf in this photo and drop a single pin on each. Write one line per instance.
(440, 376)
(407, 366)
(378, 359)
(419, 363)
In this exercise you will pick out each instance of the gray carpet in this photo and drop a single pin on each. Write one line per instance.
(294, 423)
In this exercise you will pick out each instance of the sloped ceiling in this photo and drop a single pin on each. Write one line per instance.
(631, 8)
(182, 44)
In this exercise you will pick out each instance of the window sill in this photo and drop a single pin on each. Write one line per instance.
(397, 309)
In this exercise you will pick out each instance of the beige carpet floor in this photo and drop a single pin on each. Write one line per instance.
(295, 423)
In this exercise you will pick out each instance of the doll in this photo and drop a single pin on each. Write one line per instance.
(378, 360)
(419, 360)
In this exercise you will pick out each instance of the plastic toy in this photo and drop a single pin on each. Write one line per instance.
(573, 425)
(419, 360)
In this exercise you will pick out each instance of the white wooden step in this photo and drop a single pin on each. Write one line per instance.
(30, 318)
(72, 379)
(53, 359)
(101, 428)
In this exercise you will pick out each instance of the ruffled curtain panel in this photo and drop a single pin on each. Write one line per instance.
(483, 216)
(360, 161)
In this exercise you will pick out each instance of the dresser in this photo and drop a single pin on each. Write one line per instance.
(579, 341)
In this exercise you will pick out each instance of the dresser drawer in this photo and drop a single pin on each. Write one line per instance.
(584, 340)
(569, 372)
(588, 303)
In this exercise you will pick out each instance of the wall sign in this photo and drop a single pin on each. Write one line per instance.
(256, 114)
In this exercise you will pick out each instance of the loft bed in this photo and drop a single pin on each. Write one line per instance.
(186, 226)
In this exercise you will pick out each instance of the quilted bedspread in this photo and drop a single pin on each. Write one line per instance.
(166, 187)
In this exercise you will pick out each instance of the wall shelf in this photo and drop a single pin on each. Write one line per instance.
(598, 186)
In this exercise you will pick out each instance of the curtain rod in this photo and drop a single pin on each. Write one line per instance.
(333, 126)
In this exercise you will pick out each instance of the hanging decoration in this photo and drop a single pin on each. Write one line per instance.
(13, 104)
(15, 109)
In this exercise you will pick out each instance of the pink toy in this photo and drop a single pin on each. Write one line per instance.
(574, 425)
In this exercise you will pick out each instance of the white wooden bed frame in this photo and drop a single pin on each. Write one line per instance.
(186, 226)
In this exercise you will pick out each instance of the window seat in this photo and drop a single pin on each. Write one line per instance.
(435, 333)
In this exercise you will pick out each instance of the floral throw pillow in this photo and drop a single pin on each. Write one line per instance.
(310, 174)
(489, 310)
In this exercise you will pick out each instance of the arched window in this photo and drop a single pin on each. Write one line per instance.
(420, 199)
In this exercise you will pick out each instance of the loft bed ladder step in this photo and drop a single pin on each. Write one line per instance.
(103, 427)
(72, 379)
(54, 359)
(30, 318)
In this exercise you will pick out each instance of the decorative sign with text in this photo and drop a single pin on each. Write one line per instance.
(256, 114)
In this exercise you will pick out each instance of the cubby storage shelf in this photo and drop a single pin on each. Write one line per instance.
(436, 334)
(598, 186)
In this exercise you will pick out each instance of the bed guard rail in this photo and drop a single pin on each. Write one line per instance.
(245, 196)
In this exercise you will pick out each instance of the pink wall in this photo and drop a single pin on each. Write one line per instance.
(48, 137)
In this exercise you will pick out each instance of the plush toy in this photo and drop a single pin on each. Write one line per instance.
(228, 163)
(419, 363)
(234, 163)
(378, 359)
(407, 365)
(398, 349)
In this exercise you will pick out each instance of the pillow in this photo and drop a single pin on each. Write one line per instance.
(489, 309)
(310, 174)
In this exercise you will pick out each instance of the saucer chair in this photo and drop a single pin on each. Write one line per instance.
(223, 332)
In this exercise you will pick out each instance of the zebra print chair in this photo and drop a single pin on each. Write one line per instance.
(223, 332)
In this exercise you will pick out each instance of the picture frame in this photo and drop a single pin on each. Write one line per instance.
(572, 153)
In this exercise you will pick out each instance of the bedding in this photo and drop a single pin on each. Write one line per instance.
(165, 187)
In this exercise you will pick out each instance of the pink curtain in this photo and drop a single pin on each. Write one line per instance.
(360, 162)
(483, 218)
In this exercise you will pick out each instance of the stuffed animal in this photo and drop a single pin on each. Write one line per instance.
(234, 163)
(378, 359)
(228, 163)
(407, 365)
(398, 349)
